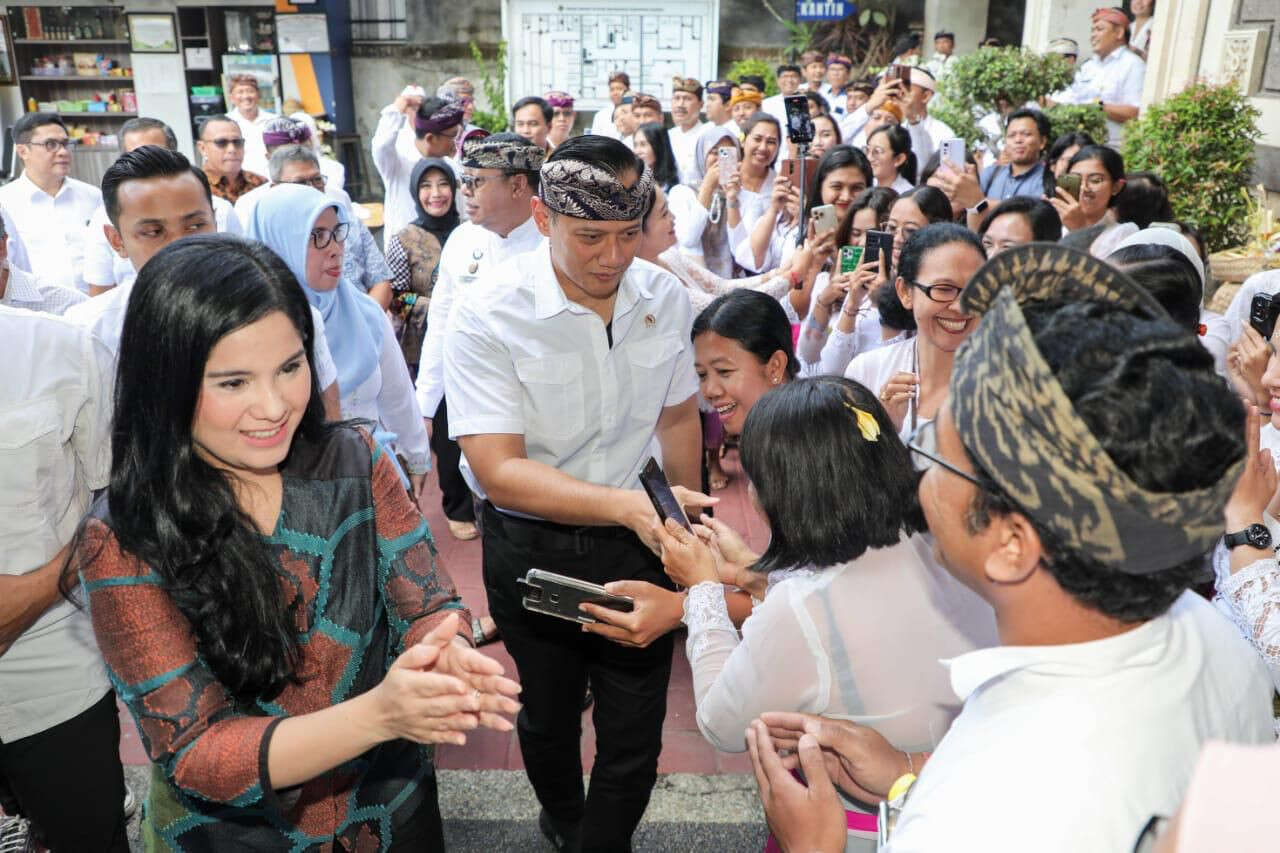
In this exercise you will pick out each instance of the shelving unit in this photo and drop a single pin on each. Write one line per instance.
(53, 37)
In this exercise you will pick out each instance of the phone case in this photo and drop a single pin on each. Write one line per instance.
(825, 218)
(559, 596)
(850, 257)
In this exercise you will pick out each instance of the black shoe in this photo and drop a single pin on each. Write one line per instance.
(564, 841)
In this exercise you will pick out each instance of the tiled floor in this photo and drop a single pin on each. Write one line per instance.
(683, 749)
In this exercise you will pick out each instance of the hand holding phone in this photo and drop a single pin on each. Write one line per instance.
(850, 257)
(1263, 311)
(660, 495)
(728, 163)
(1070, 184)
(560, 596)
(825, 218)
(878, 243)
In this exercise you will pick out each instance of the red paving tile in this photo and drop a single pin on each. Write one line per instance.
(684, 750)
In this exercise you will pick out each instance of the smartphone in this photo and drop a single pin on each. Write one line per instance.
(1263, 311)
(559, 596)
(660, 494)
(728, 162)
(799, 123)
(953, 153)
(825, 218)
(899, 72)
(878, 242)
(1070, 183)
(850, 257)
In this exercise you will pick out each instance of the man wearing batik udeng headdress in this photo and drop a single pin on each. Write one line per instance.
(1075, 478)
(561, 369)
(499, 179)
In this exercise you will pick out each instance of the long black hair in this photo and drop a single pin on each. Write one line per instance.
(170, 508)
(834, 494)
(665, 173)
(837, 157)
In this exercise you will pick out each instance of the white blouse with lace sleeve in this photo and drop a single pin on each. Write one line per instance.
(1251, 599)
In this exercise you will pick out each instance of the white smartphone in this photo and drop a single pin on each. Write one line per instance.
(728, 162)
(825, 218)
(953, 153)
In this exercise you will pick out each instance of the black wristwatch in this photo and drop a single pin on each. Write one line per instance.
(1255, 536)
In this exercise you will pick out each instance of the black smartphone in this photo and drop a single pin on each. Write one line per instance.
(1263, 311)
(878, 242)
(559, 596)
(799, 123)
(660, 494)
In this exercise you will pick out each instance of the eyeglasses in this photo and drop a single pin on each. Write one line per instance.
(223, 143)
(53, 145)
(475, 182)
(877, 152)
(924, 453)
(322, 237)
(944, 293)
(317, 181)
(906, 230)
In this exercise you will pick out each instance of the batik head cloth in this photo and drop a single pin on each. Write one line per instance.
(839, 59)
(1018, 424)
(505, 151)
(1112, 16)
(446, 116)
(586, 191)
(559, 100)
(285, 131)
(686, 84)
(746, 97)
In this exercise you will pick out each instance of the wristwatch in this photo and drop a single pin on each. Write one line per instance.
(1255, 536)
(980, 207)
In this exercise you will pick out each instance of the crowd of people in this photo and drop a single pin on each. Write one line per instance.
(1018, 480)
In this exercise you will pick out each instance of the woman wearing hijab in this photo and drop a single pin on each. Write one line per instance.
(307, 230)
(414, 253)
(703, 228)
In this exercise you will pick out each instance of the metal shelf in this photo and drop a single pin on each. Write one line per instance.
(70, 41)
(74, 78)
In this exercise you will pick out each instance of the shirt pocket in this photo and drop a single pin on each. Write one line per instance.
(30, 446)
(651, 367)
(554, 404)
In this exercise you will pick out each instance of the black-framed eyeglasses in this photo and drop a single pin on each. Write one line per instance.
(222, 142)
(322, 237)
(924, 453)
(475, 182)
(942, 293)
(317, 181)
(907, 230)
(53, 145)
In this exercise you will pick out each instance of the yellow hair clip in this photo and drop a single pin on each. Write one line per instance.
(867, 423)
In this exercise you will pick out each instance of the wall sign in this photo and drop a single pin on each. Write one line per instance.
(824, 10)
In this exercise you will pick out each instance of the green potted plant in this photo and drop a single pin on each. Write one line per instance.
(759, 67)
(1201, 142)
(1072, 118)
(493, 82)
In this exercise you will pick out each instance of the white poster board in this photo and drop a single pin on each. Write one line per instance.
(574, 47)
(302, 33)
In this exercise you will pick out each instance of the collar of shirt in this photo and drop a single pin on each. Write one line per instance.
(34, 193)
(549, 299)
(974, 669)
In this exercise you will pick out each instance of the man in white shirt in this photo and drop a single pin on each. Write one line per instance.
(59, 727)
(251, 118)
(927, 132)
(716, 97)
(565, 372)
(152, 197)
(1084, 532)
(49, 208)
(836, 89)
(499, 179)
(686, 107)
(602, 124)
(944, 46)
(1112, 78)
(436, 123)
(103, 268)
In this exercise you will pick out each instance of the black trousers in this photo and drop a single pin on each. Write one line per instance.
(455, 494)
(67, 780)
(555, 658)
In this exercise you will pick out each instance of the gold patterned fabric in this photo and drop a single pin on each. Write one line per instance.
(1018, 424)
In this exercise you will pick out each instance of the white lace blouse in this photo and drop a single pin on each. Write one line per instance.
(860, 641)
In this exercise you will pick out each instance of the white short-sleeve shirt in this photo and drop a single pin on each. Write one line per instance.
(1115, 79)
(520, 358)
(52, 227)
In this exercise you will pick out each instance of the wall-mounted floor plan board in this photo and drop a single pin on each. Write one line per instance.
(574, 46)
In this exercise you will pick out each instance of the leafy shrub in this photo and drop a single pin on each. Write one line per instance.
(760, 67)
(1069, 118)
(978, 83)
(493, 82)
(1201, 142)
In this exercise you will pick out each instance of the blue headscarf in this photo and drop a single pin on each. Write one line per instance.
(353, 322)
